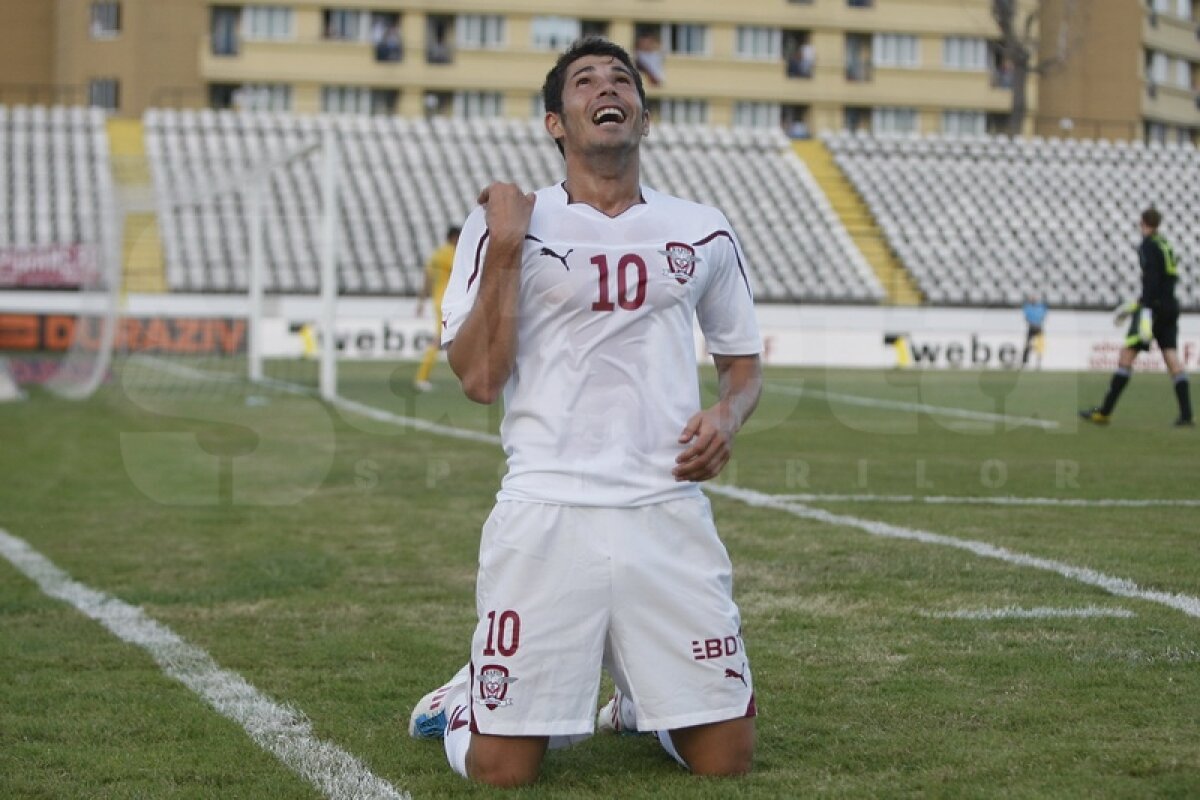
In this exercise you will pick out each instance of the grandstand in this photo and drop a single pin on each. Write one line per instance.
(986, 220)
(975, 220)
(58, 175)
(405, 180)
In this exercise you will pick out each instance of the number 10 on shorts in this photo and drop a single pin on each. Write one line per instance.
(504, 633)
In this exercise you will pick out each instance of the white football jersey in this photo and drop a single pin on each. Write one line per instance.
(605, 376)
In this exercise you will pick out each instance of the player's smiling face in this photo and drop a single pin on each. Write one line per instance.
(601, 106)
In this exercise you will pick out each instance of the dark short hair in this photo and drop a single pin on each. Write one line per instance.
(1151, 218)
(453, 231)
(556, 78)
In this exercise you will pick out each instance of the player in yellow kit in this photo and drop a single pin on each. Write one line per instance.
(437, 275)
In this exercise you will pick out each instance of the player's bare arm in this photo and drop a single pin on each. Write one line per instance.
(484, 351)
(710, 432)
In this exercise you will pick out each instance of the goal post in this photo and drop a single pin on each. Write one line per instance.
(227, 236)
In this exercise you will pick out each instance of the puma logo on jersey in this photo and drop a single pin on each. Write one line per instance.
(546, 251)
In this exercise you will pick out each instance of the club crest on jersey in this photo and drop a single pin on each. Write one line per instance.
(681, 261)
(493, 687)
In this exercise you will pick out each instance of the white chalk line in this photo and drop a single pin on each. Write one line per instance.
(899, 405)
(281, 730)
(1121, 587)
(370, 412)
(1015, 612)
(1116, 586)
(1007, 500)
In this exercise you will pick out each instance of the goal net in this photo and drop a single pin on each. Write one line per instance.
(216, 267)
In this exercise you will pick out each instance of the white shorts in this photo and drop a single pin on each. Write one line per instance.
(646, 591)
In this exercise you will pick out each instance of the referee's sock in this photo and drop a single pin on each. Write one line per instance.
(1117, 385)
(1183, 395)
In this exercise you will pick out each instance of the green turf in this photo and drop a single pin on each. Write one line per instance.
(329, 560)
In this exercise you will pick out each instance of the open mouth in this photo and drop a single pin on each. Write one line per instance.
(608, 114)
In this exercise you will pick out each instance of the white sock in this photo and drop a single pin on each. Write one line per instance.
(664, 738)
(563, 742)
(457, 739)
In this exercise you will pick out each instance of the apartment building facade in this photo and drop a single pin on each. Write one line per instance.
(804, 65)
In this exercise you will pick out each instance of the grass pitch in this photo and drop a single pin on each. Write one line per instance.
(329, 560)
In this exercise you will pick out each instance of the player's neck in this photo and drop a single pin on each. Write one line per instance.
(610, 191)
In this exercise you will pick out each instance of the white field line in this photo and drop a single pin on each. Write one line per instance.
(1117, 586)
(370, 412)
(281, 730)
(1013, 612)
(1066, 502)
(899, 405)
(185, 371)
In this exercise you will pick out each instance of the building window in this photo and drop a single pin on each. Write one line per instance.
(106, 20)
(1001, 66)
(593, 27)
(225, 22)
(473, 105)
(345, 100)
(763, 44)
(555, 33)
(480, 31)
(256, 97)
(648, 53)
(894, 120)
(856, 118)
(860, 3)
(896, 50)
(794, 121)
(346, 26)
(858, 57)
(748, 114)
(680, 110)
(964, 123)
(800, 56)
(385, 37)
(1158, 66)
(686, 39)
(358, 100)
(965, 52)
(439, 33)
(1183, 74)
(268, 23)
(104, 93)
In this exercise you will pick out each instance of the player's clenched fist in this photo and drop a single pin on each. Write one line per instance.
(508, 212)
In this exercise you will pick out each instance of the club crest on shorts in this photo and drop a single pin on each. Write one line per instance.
(493, 686)
(681, 261)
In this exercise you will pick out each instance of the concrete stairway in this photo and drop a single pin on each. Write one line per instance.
(143, 265)
(866, 235)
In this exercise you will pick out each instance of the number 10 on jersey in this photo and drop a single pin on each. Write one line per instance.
(624, 301)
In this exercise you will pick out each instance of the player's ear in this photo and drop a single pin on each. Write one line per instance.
(554, 125)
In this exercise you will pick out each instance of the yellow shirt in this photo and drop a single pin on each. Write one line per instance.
(437, 272)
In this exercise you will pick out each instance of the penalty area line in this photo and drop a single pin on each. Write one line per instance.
(283, 731)
(1117, 586)
(899, 405)
(1015, 612)
(1006, 500)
